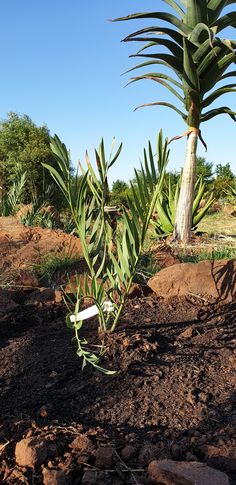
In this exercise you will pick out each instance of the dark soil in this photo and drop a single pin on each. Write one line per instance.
(173, 395)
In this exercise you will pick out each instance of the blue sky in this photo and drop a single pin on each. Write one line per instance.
(61, 63)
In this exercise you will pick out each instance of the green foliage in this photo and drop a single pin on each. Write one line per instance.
(204, 170)
(119, 186)
(24, 143)
(111, 256)
(47, 269)
(224, 171)
(166, 205)
(198, 57)
(36, 215)
(213, 254)
(10, 199)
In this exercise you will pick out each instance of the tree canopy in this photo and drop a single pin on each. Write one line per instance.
(23, 142)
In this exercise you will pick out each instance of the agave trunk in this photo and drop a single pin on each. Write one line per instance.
(183, 220)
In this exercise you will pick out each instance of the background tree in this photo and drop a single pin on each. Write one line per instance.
(224, 171)
(119, 186)
(204, 169)
(198, 60)
(24, 143)
(224, 181)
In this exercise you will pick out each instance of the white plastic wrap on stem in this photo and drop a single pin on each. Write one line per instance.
(90, 312)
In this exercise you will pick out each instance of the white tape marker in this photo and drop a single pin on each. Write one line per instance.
(90, 312)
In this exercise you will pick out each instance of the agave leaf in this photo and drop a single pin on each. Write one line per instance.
(172, 19)
(159, 75)
(215, 71)
(199, 216)
(190, 75)
(116, 156)
(228, 74)
(175, 6)
(215, 8)
(201, 52)
(228, 20)
(197, 36)
(215, 54)
(173, 34)
(218, 111)
(196, 12)
(169, 60)
(160, 81)
(198, 197)
(171, 46)
(122, 260)
(57, 177)
(163, 217)
(164, 104)
(229, 88)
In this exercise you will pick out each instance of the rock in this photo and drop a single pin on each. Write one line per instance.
(128, 453)
(163, 255)
(146, 455)
(28, 279)
(31, 452)
(105, 457)
(188, 333)
(55, 477)
(135, 291)
(82, 444)
(168, 472)
(220, 456)
(44, 296)
(214, 279)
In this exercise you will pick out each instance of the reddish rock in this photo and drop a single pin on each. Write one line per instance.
(163, 255)
(27, 278)
(168, 472)
(220, 456)
(31, 452)
(214, 279)
(55, 477)
(82, 444)
(135, 291)
(105, 457)
(44, 296)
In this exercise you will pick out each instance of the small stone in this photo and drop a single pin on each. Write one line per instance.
(128, 453)
(135, 291)
(203, 397)
(220, 456)
(82, 444)
(168, 472)
(188, 333)
(55, 477)
(105, 457)
(31, 452)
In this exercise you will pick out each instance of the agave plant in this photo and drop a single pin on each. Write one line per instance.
(111, 267)
(11, 199)
(167, 203)
(198, 59)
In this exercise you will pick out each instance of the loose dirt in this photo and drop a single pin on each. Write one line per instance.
(173, 395)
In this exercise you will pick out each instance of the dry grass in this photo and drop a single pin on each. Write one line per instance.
(217, 224)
